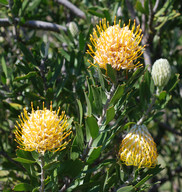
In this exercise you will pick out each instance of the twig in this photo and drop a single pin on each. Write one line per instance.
(34, 24)
(3, 153)
(147, 53)
(165, 179)
(143, 24)
(100, 120)
(42, 73)
(151, 17)
(132, 12)
(42, 173)
(168, 128)
(156, 6)
(73, 8)
(65, 186)
(147, 112)
(109, 96)
(10, 2)
(86, 151)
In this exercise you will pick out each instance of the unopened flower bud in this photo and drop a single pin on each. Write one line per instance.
(73, 28)
(161, 72)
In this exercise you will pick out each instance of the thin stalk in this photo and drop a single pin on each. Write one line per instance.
(109, 96)
(42, 173)
(100, 120)
(150, 107)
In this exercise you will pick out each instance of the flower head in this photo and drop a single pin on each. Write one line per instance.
(138, 148)
(42, 130)
(116, 46)
(161, 72)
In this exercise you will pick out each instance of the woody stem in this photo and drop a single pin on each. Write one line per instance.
(42, 173)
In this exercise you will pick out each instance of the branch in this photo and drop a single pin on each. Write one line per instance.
(33, 24)
(156, 6)
(165, 179)
(3, 153)
(72, 7)
(150, 107)
(168, 128)
(42, 173)
(132, 12)
(66, 185)
(100, 120)
(147, 53)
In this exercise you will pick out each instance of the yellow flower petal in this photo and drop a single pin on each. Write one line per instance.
(138, 148)
(116, 46)
(42, 130)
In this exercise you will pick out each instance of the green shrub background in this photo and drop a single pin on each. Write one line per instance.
(50, 64)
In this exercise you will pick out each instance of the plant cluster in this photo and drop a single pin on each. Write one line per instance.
(90, 96)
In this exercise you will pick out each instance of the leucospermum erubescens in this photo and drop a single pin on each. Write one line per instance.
(161, 72)
(138, 148)
(115, 45)
(42, 130)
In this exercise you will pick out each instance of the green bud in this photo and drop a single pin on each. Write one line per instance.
(73, 28)
(161, 72)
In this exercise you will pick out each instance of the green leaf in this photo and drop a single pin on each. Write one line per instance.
(23, 187)
(4, 2)
(118, 94)
(80, 110)
(27, 76)
(135, 76)
(107, 14)
(93, 126)
(162, 95)
(111, 73)
(79, 134)
(65, 54)
(92, 78)
(35, 155)
(71, 168)
(34, 4)
(22, 160)
(101, 79)
(36, 189)
(165, 7)
(16, 106)
(49, 94)
(97, 99)
(52, 165)
(24, 154)
(93, 12)
(4, 67)
(81, 41)
(140, 8)
(110, 113)
(173, 82)
(164, 19)
(94, 155)
(89, 108)
(143, 180)
(125, 189)
(127, 125)
(75, 151)
(28, 55)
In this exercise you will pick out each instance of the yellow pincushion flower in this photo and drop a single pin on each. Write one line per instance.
(42, 130)
(116, 46)
(138, 148)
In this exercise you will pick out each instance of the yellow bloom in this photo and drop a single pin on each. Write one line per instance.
(116, 46)
(42, 130)
(138, 148)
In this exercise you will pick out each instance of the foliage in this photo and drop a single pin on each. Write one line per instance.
(43, 65)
